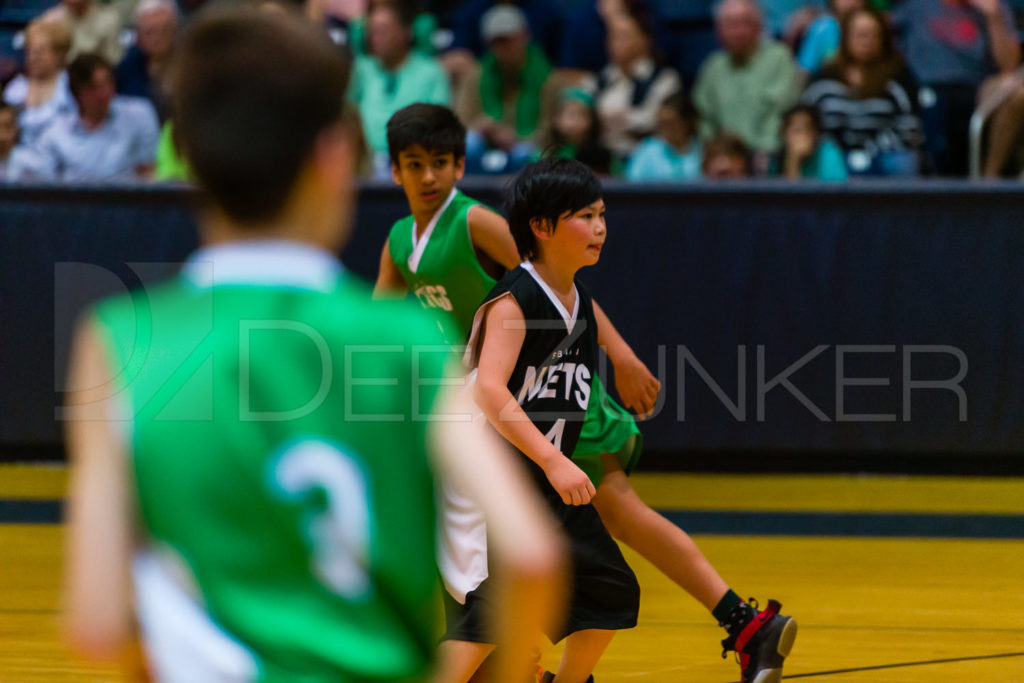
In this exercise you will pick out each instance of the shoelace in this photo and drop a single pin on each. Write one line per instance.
(729, 642)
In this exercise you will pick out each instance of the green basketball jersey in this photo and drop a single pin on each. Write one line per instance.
(441, 267)
(278, 447)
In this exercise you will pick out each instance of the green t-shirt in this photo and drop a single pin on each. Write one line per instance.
(441, 267)
(379, 93)
(278, 447)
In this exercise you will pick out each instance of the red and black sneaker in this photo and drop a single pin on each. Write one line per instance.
(762, 643)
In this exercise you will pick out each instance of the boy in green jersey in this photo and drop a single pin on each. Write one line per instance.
(250, 438)
(434, 253)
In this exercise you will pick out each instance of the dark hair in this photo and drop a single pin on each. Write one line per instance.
(809, 110)
(547, 190)
(640, 14)
(431, 126)
(878, 73)
(405, 10)
(82, 69)
(252, 92)
(682, 105)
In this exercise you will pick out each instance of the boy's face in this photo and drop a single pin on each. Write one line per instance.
(427, 177)
(578, 237)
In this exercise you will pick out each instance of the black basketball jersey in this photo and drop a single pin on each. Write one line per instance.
(551, 379)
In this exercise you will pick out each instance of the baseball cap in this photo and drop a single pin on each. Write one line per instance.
(501, 20)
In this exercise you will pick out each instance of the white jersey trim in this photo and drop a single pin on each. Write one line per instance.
(268, 263)
(570, 320)
(462, 538)
(182, 643)
(419, 245)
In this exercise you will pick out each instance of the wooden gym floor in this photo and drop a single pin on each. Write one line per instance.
(892, 578)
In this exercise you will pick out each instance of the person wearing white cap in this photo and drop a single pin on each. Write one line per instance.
(500, 103)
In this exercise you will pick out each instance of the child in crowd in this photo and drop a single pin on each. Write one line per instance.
(805, 153)
(726, 156)
(675, 152)
(575, 132)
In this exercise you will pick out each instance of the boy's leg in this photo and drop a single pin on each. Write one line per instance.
(458, 660)
(582, 651)
(762, 639)
(658, 540)
(464, 647)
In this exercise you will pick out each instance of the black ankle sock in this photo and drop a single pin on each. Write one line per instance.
(725, 606)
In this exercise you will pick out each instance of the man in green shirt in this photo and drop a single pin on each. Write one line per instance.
(744, 88)
(252, 440)
(392, 76)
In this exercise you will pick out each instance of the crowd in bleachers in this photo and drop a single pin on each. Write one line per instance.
(646, 90)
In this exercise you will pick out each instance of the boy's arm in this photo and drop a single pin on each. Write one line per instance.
(390, 282)
(97, 581)
(490, 234)
(637, 387)
(504, 332)
(523, 539)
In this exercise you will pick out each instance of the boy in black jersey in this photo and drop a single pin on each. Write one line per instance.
(534, 348)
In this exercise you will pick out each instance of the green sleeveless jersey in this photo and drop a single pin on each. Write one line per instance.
(441, 267)
(278, 448)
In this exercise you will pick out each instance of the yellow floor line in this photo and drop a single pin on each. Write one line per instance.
(797, 493)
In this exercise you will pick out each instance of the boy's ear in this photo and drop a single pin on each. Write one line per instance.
(394, 174)
(541, 228)
(460, 167)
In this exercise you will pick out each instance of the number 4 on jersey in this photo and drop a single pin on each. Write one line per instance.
(554, 434)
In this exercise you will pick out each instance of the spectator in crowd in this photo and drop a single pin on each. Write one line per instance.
(141, 71)
(391, 77)
(727, 156)
(632, 87)
(8, 136)
(41, 94)
(821, 40)
(805, 153)
(865, 97)
(952, 47)
(676, 152)
(94, 28)
(545, 19)
(744, 88)
(424, 26)
(574, 132)
(501, 103)
(107, 138)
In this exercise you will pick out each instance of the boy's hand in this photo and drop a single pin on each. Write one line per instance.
(637, 387)
(572, 484)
